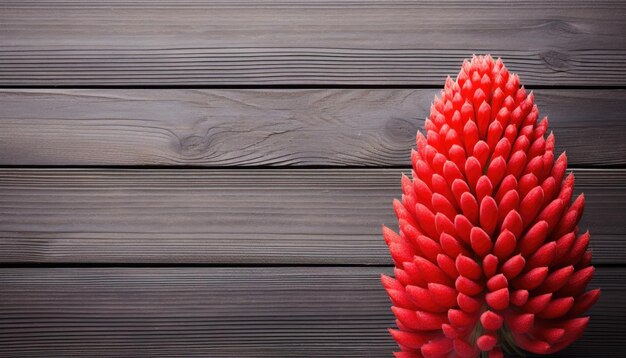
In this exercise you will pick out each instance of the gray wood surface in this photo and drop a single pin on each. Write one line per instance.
(215, 128)
(202, 249)
(287, 216)
(270, 42)
(230, 312)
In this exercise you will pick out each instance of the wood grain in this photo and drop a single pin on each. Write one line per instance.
(241, 216)
(267, 127)
(230, 312)
(274, 42)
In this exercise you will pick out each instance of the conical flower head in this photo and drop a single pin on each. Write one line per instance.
(489, 257)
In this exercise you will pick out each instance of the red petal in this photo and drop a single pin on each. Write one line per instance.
(513, 266)
(573, 330)
(490, 265)
(390, 282)
(464, 349)
(442, 294)
(480, 241)
(508, 183)
(390, 236)
(584, 302)
(498, 300)
(426, 220)
(451, 172)
(449, 331)
(451, 246)
(459, 187)
(400, 253)
(444, 225)
(470, 136)
(530, 205)
(494, 133)
(532, 345)
(473, 171)
(543, 257)
(429, 248)
(516, 164)
(578, 249)
(419, 320)
(577, 283)
(486, 342)
(467, 303)
(505, 245)
(446, 264)
(400, 298)
(550, 335)
(469, 206)
(519, 297)
(423, 192)
(557, 308)
(491, 320)
(526, 183)
(460, 318)
(482, 118)
(533, 239)
(443, 205)
(497, 282)
(410, 339)
(423, 300)
(538, 303)
(463, 227)
(532, 279)
(403, 213)
(457, 155)
(513, 222)
(437, 348)
(481, 152)
(520, 322)
(549, 191)
(467, 286)
(563, 247)
(556, 280)
(430, 272)
(502, 148)
(468, 267)
(496, 170)
(484, 188)
(510, 201)
(552, 213)
(488, 215)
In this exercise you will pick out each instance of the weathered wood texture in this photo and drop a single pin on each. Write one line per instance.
(261, 42)
(285, 216)
(267, 127)
(234, 312)
(93, 228)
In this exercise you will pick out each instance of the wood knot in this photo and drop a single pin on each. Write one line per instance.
(193, 145)
(563, 27)
(557, 61)
(401, 129)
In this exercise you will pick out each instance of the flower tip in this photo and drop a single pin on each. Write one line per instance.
(486, 342)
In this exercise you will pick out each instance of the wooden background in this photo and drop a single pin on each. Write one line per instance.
(209, 178)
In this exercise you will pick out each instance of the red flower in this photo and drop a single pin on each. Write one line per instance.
(489, 257)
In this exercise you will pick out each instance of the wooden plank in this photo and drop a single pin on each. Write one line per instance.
(230, 312)
(274, 42)
(234, 216)
(267, 127)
